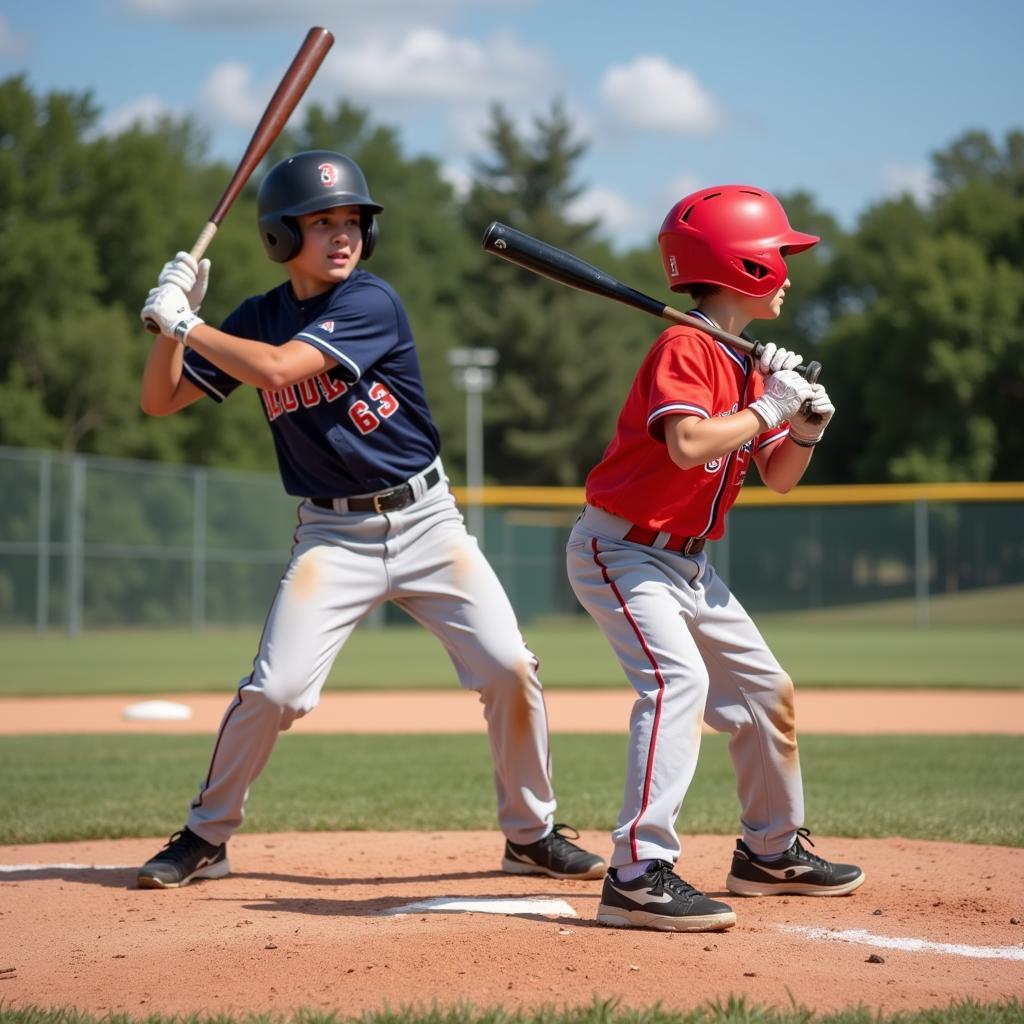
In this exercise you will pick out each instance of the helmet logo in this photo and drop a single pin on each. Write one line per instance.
(672, 268)
(328, 175)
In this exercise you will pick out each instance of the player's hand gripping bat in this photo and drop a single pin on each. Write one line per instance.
(287, 95)
(561, 266)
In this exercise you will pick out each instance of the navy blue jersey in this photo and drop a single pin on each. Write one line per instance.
(362, 426)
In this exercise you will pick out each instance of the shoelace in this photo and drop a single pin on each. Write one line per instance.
(180, 841)
(556, 838)
(669, 880)
(798, 850)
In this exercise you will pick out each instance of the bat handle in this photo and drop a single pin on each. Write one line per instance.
(197, 250)
(204, 239)
(810, 373)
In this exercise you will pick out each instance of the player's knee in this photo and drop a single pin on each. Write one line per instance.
(515, 674)
(284, 689)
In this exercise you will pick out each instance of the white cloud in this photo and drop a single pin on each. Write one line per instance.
(229, 95)
(617, 213)
(427, 65)
(680, 186)
(11, 44)
(143, 110)
(631, 221)
(650, 94)
(459, 177)
(913, 179)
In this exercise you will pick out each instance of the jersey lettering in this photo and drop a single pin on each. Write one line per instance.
(387, 403)
(288, 398)
(367, 419)
(271, 404)
(359, 413)
(308, 393)
(331, 388)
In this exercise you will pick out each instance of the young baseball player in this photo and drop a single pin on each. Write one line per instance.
(695, 417)
(333, 358)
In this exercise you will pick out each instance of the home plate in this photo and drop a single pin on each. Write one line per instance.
(157, 711)
(442, 905)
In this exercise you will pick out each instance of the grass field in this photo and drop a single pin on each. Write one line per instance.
(63, 788)
(733, 1011)
(973, 640)
(965, 788)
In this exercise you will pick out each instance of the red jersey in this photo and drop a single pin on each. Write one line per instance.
(685, 373)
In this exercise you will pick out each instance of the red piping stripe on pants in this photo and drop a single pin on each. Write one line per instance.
(657, 709)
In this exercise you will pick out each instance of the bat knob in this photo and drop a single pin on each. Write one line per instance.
(152, 326)
(812, 372)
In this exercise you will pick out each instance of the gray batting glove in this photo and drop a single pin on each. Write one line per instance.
(191, 277)
(784, 392)
(772, 359)
(168, 306)
(808, 424)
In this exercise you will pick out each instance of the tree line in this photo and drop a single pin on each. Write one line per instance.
(916, 313)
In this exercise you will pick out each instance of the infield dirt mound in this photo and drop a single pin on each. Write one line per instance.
(304, 922)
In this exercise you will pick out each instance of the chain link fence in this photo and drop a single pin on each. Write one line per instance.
(88, 542)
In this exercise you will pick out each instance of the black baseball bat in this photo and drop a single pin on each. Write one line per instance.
(561, 266)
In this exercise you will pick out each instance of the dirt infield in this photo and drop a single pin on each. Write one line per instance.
(330, 921)
(848, 711)
(356, 921)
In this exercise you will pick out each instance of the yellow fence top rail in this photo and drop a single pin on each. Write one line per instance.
(810, 494)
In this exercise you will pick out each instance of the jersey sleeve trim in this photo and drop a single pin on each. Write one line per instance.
(771, 436)
(335, 353)
(678, 408)
(202, 384)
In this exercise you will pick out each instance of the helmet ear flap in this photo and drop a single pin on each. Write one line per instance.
(371, 232)
(281, 238)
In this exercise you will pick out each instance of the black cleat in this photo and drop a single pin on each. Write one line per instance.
(796, 872)
(186, 856)
(553, 855)
(661, 900)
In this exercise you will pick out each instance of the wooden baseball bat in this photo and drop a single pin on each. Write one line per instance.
(561, 266)
(287, 95)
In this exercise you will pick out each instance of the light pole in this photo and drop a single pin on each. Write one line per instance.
(472, 372)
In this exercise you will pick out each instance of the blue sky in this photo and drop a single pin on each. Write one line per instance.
(846, 100)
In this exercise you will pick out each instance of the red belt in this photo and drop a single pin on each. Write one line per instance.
(685, 545)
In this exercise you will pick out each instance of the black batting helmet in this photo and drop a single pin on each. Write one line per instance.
(304, 183)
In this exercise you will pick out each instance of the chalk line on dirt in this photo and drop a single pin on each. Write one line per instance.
(66, 867)
(443, 905)
(909, 945)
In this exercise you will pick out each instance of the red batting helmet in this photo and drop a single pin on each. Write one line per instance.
(733, 236)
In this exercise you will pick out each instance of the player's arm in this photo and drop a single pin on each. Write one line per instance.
(173, 305)
(782, 465)
(692, 440)
(268, 367)
(165, 390)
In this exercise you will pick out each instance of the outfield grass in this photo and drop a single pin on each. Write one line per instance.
(734, 1010)
(62, 788)
(817, 650)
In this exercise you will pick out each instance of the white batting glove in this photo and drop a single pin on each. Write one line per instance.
(808, 424)
(169, 308)
(772, 359)
(784, 392)
(191, 277)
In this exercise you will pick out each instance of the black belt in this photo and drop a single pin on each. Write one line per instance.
(391, 500)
